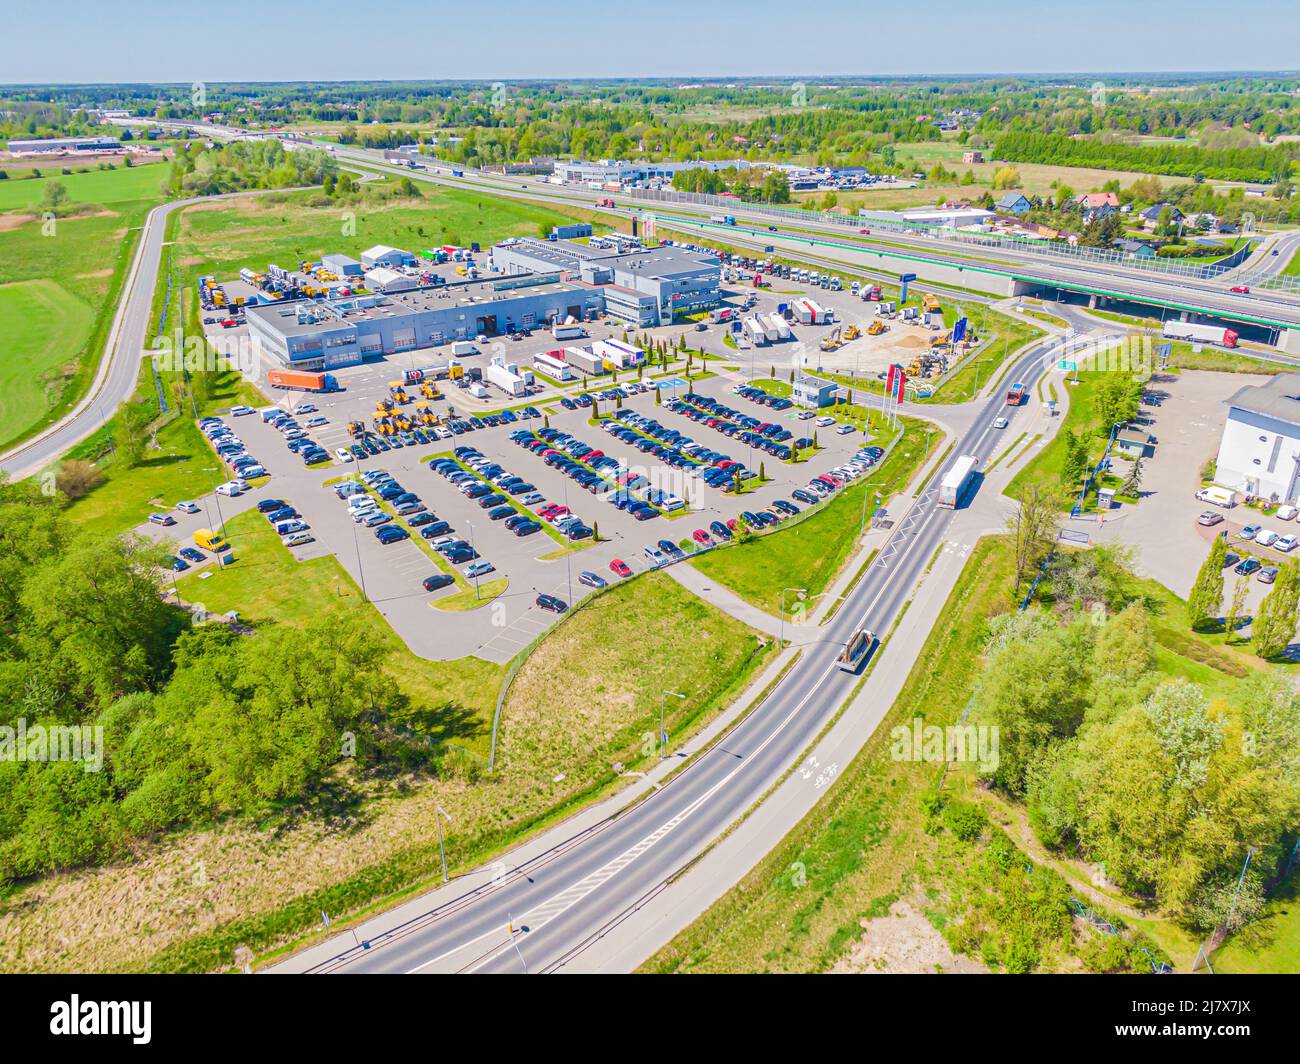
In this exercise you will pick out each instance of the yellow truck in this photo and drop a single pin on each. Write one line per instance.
(852, 332)
(930, 303)
(209, 540)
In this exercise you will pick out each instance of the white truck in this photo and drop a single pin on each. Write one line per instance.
(1203, 334)
(955, 482)
(856, 650)
(505, 378)
(464, 347)
(567, 332)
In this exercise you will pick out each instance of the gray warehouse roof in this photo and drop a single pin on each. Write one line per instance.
(1279, 398)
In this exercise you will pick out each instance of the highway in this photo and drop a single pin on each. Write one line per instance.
(840, 244)
(562, 900)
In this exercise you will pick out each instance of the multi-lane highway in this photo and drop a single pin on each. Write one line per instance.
(540, 915)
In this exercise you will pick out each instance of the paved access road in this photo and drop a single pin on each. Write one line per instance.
(540, 915)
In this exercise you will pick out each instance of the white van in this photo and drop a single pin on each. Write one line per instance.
(1217, 496)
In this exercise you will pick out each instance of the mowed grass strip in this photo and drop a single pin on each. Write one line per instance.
(800, 908)
(42, 326)
(811, 553)
(119, 185)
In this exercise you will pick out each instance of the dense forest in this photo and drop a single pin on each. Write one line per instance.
(197, 721)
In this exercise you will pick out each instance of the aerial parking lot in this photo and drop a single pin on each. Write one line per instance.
(477, 542)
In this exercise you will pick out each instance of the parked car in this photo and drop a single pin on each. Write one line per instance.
(1286, 513)
(1287, 543)
(552, 604)
(620, 568)
(1209, 517)
(479, 569)
(1248, 566)
(191, 555)
(298, 539)
(187, 507)
(592, 580)
(1266, 537)
(1267, 574)
(162, 519)
(1249, 531)
(437, 582)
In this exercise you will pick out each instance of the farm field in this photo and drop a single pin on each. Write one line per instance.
(40, 322)
(80, 265)
(119, 185)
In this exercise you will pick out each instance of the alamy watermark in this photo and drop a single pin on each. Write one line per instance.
(976, 744)
(54, 742)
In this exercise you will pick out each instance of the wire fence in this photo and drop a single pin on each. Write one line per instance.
(1070, 253)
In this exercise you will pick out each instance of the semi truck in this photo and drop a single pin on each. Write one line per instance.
(584, 361)
(723, 219)
(756, 331)
(505, 378)
(857, 650)
(300, 381)
(955, 482)
(1016, 394)
(1204, 334)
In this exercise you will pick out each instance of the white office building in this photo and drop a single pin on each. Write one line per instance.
(1260, 450)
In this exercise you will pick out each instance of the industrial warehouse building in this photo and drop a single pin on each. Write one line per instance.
(642, 288)
(1260, 450)
(383, 255)
(323, 334)
(63, 144)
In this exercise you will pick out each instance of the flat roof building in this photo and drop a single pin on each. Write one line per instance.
(1259, 453)
(383, 255)
(63, 144)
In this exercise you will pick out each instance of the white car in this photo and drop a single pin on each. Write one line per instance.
(1286, 513)
(297, 539)
(317, 421)
(1287, 543)
(825, 422)
(1266, 537)
(240, 411)
(343, 454)
(187, 507)
(1000, 423)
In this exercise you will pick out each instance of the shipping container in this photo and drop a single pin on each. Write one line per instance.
(301, 381)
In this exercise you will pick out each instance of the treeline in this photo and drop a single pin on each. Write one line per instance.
(1161, 786)
(195, 721)
(1228, 164)
(753, 186)
(200, 171)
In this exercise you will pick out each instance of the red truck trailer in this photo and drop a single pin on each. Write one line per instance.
(301, 381)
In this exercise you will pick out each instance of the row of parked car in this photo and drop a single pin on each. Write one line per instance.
(230, 449)
(766, 436)
(620, 391)
(717, 469)
(762, 398)
(286, 521)
(478, 478)
(295, 435)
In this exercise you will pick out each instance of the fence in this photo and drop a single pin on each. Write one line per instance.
(893, 224)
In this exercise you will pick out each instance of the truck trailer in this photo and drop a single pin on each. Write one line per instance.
(955, 482)
(567, 332)
(856, 650)
(301, 381)
(1203, 334)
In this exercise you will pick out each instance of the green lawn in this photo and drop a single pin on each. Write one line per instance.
(1271, 945)
(810, 553)
(119, 185)
(86, 257)
(41, 323)
(1045, 469)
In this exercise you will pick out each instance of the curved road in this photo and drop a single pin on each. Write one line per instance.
(563, 899)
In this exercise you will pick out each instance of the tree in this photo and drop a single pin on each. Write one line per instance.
(1074, 466)
(77, 477)
(1125, 647)
(56, 195)
(1206, 597)
(1116, 401)
(1006, 177)
(1274, 627)
(1133, 482)
(1032, 526)
(1237, 607)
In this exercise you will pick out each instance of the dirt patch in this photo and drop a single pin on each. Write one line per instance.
(903, 942)
(13, 221)
(96, 274)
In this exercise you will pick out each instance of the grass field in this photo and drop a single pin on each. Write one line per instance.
(1045, 469)
(40, 323)
(105, 187)
(811, 554)
(79, 263)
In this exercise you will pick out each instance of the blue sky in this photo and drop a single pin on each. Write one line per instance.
(186, 41)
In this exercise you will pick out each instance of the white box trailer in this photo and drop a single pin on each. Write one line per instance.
(567, 332)
(768, 321)
(756, 331)
(584, 361)
(803, 309)
(820, 315)
(464, 347)
(782, 327)
(955, 482)
(1205, 334)
(505, 379)
(620, 354)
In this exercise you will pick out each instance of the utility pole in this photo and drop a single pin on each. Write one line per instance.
(663, 733)
(438, 814)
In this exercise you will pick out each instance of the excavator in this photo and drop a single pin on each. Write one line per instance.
(832, 342)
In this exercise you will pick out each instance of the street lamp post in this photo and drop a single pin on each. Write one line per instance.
(473, 548)
(663, 734)
(438, 814)
(780, 642)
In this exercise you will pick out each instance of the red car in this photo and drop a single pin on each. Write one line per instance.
(865, 232)
(703, 538)
(620, 567)
(1241, 289)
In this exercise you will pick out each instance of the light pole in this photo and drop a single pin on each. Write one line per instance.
(438, 814)
(473, 548)
(663, 735)
(780, 642)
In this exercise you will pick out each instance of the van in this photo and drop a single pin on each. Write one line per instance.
(211, 541)
(230, 488)
(1217, 496)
